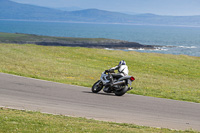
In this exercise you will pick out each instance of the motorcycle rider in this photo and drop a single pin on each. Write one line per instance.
(122, 71)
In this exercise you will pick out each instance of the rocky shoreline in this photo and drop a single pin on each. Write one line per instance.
(119, 45)
(20, 38)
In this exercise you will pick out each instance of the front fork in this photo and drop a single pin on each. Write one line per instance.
(108, 85)
(110, 77)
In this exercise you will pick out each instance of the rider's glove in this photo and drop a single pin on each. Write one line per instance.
(107, 71)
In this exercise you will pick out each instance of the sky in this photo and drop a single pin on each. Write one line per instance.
(160, 7)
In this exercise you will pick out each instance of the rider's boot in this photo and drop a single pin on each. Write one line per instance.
(130, 88)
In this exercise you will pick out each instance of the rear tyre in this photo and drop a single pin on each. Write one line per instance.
(97, 86)
(122, 91)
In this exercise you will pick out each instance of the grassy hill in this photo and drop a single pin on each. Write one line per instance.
(158, 75)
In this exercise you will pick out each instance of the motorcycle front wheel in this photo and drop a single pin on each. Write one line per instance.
(97, 86)
(121, 91)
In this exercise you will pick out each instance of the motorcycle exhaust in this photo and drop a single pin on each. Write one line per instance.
(119, 82)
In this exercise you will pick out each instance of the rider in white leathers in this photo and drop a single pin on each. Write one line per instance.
(122, 71)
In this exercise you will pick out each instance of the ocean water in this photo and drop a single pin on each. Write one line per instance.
(185, 39)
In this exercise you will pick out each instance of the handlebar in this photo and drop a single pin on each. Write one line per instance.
(109, 71)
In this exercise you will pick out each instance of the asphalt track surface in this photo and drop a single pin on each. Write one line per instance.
(56, 98)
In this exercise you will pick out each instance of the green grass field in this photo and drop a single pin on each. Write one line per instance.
(33, 122)
(158, 75)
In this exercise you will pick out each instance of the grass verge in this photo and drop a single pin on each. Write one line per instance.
(28, 121)
(158, 75)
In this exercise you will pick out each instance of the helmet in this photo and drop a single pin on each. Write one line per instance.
(122, 62)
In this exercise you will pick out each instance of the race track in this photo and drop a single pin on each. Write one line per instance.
(45, 96)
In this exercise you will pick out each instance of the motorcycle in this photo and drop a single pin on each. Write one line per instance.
(119, 86)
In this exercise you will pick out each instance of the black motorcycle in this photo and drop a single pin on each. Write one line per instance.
(119, 86)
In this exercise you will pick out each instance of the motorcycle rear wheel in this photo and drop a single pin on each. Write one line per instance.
(97, 86)
(122, 91)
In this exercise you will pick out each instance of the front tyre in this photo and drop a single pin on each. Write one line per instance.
(97, 86)
(121, 91)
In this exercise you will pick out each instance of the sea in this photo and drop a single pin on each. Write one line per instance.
(185, 40)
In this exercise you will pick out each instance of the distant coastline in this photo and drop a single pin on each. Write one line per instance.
(20, 38)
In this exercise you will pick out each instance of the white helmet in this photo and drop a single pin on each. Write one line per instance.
(122, 62)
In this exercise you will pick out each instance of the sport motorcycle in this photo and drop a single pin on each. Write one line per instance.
(119, 86)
